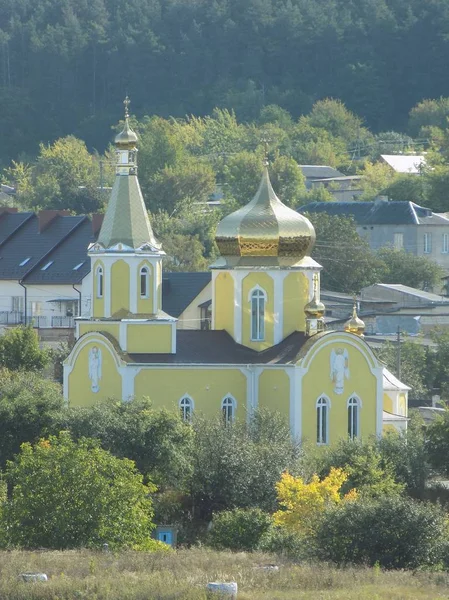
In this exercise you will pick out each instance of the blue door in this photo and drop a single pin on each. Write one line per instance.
(165, 536)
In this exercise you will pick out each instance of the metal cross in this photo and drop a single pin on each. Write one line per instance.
(126, 102)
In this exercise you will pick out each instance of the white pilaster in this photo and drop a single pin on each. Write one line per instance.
(107, 291)
(238, 277)
(295, 375)
(134, 287)
(378, 372)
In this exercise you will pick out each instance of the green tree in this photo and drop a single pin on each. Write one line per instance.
(239, 529)
(408, 269)
(348, 263)
(428, 113)
(30, 405)
(407, 188)
(19, 349)
(67, 494)
(376, 178)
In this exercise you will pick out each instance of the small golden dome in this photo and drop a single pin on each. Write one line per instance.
(265, 228)
(315, 309)
(355, 325)
(127, 138)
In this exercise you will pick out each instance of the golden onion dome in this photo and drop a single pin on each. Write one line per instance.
(355, 324)
(265, 228)
(127, 138)
(315, 309)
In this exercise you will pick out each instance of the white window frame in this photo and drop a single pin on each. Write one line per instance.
(144, 272)
(323, 405)
(228, 408)
(186, 408)
(427, 243)
(354, 402)
(259, 296)
(445, 244)
(99, 278)
(398, 236)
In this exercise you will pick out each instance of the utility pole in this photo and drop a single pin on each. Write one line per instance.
(398, 353)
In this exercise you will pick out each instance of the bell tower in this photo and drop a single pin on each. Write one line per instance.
(126, 260)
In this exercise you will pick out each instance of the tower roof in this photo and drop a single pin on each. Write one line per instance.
(126, 225)
(265, 228)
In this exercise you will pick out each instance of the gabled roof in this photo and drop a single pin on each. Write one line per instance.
(392, 383)
(379, 212)
(319, 172)
(69, 254)
(410, 291)
(27, 247)
(179, 289)
(403, 163)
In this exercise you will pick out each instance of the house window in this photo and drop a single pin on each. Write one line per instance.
(427, 243)
(398, 241)
(36, 309)
(445, 245)
(258, 299)
(100, 282)
(144, 282)
(353, 418)
(322, 421)
(24, 261)
(47, 266)
(186, 408)
(17, 304)
(228, 409)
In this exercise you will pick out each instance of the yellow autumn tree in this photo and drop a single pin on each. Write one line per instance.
(301, 503)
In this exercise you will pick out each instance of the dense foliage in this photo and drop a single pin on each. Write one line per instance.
(239, 529)
(67, 494)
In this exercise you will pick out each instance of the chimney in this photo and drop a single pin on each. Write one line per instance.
(46, 217)
(97, 222)
(8, 210)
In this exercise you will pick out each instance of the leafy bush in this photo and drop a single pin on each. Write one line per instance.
(284, 542)
(239, 529)
(19, 349)
(67, 494)
(394, 532)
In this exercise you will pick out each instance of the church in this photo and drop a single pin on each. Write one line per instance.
(267, 346)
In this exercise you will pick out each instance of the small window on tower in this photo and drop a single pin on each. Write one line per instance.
(100, 282)
(144, 282)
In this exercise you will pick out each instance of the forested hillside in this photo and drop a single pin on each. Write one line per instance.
(65, 65)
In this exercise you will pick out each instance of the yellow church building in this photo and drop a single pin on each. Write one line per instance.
(267, 346)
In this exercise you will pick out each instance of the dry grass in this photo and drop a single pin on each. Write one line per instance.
(183, 575)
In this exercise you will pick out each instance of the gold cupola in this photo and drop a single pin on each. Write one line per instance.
(265, 232)
(355, 325)
(127, 138)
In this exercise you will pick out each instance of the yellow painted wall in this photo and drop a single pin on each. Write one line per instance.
(224, 302)
(119, 286)
(98, 304)
(80, 392)
(149, 338)
(190, 318)
(317, 381)
(207, 387)
(266, 283)
(145, 305)
(296, 296)
(388, 428)
(112, 328)
(274, 391)
(403, 405)
(388, 403)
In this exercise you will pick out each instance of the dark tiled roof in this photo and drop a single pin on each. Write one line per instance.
(319, 172)
(179, 289)
(11, 222)
(381, 212)
(71, 252)
(218, 347)
(27, 242)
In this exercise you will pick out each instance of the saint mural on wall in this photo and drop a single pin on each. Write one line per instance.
(95, 368)
(339, 369)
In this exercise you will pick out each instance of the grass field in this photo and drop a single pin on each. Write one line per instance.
(183, 575)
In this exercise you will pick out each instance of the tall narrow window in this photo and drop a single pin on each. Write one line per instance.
(144, 282)
(427, 243)
(322, 421)
(186, 408)
(258, 299)
(353, 418)
(100, 282)
(398, 241)
(228, 409)
(445, 245)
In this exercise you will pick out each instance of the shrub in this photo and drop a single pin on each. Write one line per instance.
(239, 529)
(394, 532)
(19, 349)
(281, 541)
(67, 494)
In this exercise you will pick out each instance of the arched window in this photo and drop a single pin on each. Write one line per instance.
(186, 408)
(144, 282)
(322, 421)
(228, 409)
(100, 282)
(353, 418)
(258, 299)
